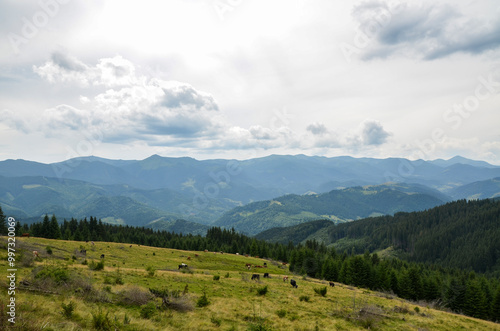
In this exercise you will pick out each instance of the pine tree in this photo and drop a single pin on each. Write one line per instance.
(475, 300)
(45, 230)
(55, 231)
(495, 307)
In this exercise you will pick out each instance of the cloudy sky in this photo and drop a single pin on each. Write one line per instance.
(249, 78)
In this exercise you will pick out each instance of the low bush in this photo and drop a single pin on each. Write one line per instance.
(148, 310)
(68, 309)
(304, 298)
(203, 301)
(96, 266)
(321, 291)
(262, 290)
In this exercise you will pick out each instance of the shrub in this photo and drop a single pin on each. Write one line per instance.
(85, 262)
(281, 313)
(134, 296)
(68, 309)
(126, 320)
(202, 301)
(101, 321)
(321, 291)
(216, 277)
(215, 320)
(151, 271)
(58, 275)
(148, 310)
(96, 266)
(304, 298)
(226, 275)
(49, 250)
(262, 290)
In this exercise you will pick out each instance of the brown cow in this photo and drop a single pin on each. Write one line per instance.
(332, 284)
(35, 254)
(285, 278)
(25, 235)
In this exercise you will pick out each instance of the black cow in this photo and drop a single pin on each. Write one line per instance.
(266, 275)
(183, 265)
(102, 256)
(332, 284)
(255, 276)
(293, 283)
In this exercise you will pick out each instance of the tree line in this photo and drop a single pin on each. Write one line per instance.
(462, 291)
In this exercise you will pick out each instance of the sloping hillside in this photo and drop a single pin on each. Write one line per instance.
(64, 290)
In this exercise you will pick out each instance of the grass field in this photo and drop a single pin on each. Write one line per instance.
(60, 291)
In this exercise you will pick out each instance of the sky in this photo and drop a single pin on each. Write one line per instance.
(239, 79)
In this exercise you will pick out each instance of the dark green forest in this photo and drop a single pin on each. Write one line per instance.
(459, 289)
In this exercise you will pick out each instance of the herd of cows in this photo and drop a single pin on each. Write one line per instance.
(185, 266)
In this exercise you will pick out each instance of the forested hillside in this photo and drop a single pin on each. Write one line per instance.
(337, 205)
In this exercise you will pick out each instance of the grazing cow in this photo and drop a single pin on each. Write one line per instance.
(130, 246)
(285, 278)
(221, 252)
(332, 284)
(265, 265)
(25, 235)
(248, 265)
(206, 250)
(293, 283)
(246, 255)
(102, 256)
(182, 266)
(35, 254)
(196, 255)
(284, 263)
(237, 253)
(255, 276)
(189, 257)
(93, 243)
(266, 275)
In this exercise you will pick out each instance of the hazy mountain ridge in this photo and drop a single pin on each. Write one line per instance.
(202, 190)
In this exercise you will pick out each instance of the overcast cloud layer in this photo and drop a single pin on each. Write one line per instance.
(241, 79)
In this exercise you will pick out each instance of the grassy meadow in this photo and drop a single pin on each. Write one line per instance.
(64, 289)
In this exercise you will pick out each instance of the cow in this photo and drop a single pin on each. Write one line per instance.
(196, 255)
(256, 276)
(332, 284)
(130, 246)
(93, 243)
(237, 253)
(189, 257)
(206, 250)
(285, 278)
(265, 265)
(35, 254)
(266, 275)
(182, 266)
(102, 256)
(248, 266)
(25, 235)
(293, 283)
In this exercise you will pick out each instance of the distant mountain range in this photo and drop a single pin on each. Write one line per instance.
(160, 190)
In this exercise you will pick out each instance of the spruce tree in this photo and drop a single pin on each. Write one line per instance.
(45, 230)
(55, 231)
(495, 307)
